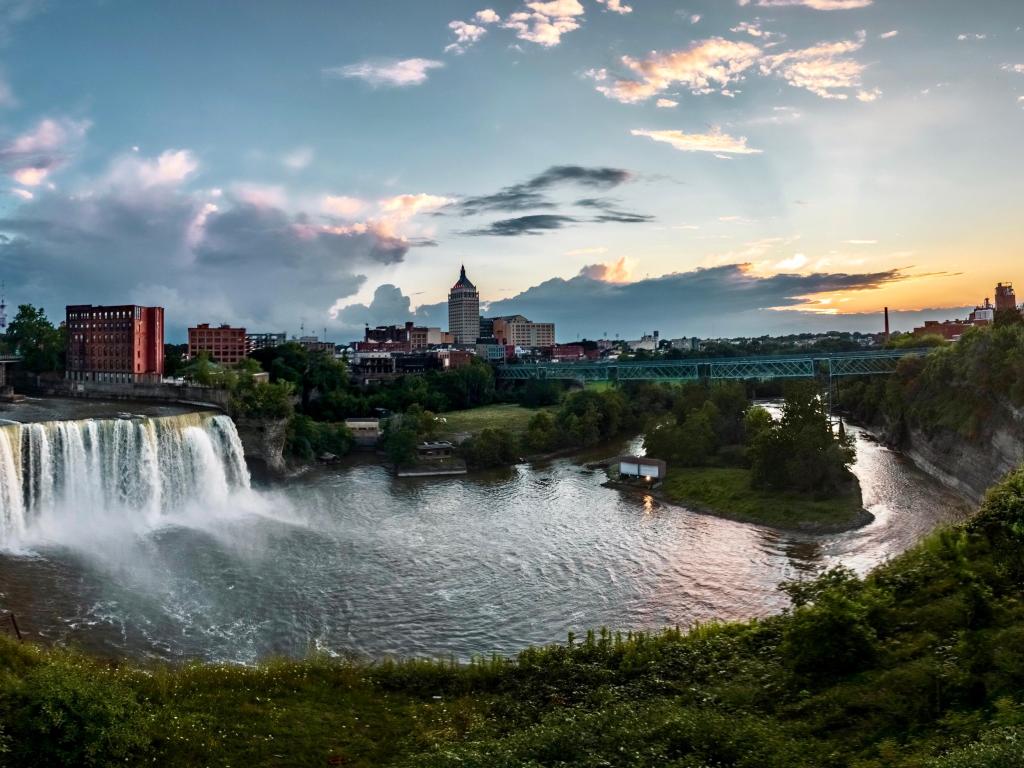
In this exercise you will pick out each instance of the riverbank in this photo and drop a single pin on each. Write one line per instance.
(726, 492)
(912, 667)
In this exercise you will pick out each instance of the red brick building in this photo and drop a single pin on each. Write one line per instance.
(224, 344)
(119, 344)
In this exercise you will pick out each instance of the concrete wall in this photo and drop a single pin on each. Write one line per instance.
(169, 393)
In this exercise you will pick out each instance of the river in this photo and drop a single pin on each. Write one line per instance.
(350, 560)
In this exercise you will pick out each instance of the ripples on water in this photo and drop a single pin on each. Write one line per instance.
(352, 560)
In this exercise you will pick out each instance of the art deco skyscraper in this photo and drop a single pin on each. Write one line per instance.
(464, 310)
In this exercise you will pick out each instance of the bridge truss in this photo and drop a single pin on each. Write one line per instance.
(763, 368)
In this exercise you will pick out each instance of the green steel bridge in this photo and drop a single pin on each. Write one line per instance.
(807, 366)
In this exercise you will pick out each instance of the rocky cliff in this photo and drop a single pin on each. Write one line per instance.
(969, 466)
(264, 443)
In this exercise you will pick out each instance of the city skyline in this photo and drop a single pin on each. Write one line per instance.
(612, 167)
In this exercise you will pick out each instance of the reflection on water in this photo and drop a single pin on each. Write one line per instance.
(353, 560)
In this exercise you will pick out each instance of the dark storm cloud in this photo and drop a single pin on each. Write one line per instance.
(522, 225)
(611, 214)
(720, 301)
(528, 195)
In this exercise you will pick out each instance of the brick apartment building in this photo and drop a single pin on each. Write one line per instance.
(518, 331)
(224, 344)
(118, 344)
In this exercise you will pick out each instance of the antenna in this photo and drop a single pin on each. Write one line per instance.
(3, 306)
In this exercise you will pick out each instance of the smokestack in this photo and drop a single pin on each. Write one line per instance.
(887, 324)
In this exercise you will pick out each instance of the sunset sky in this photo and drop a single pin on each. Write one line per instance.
(697, 166)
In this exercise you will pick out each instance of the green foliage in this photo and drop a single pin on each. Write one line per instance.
(491, 448)
(308, 439)
(802, 452)
(69, 712)
(399, 443)
(31, 335)
(998, 748)
(262, 400)
(174, 359)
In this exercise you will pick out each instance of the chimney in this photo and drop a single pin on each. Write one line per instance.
(887, 324)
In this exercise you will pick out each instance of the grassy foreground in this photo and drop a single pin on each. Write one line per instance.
(513, 418)
(920, 665)
(726, 491)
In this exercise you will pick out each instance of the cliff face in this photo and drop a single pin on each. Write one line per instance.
(264, 441)
(971, 467)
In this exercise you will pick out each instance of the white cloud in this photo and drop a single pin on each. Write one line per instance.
(752, 28)
(612, 272)
(823, 69)
(466, 35)
(405, 206)
(666, 103)
(793, 263)
(1018, 68)
(695, 18)
(715, 141)
(487, 16)
(298, 158)
(31, 156)
(970, 36)
(617, 6)
(264, 196)
(818, 5)
(170, 168)
(395, 73)
(342, 205)
(872, 95)
(889, 35)
(24, 194)
(544, 23)
(707, 66)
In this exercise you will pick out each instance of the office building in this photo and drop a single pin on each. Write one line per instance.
(121, 344)
(518, 331)
(254, 341)
(464, 311)
(224, 344)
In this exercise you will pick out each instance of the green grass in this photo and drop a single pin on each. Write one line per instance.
(514, 418)
(726, 491)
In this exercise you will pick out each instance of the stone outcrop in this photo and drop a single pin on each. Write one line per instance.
(264, 442)
(968, 466)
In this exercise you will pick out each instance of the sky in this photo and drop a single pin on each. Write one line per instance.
(699, 167)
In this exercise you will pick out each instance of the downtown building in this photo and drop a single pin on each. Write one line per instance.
(519, 331)
(224, 344)
(122, 344)
(464, 311)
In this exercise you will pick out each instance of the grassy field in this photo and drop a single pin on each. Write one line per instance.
(514, 418)
(726, 491)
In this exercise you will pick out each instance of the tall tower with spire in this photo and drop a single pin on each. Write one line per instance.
(464, 310)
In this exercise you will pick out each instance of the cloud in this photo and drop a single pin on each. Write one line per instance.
(466, 34)
(33, 155)
(609, 213)
(613, 272)
(523, 225)
(13, 12)
(714, 141)
(6, 94)
(544, 23)
(403, 207)
(243, 256)
(818, 5)
(342, 205)
(695, 18)
(889, 35)
(823, 69)
(529, 194)
(389, 306)
(24, 194)
(705, 67)
(393, 73)
(666, 103)
(970, 36)
(616, 6)
(1017, 68)
(298, 158)
(687, 303)
(487, 16)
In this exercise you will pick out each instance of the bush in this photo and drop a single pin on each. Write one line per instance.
(491, 448)
(308, 439)
(72, 713)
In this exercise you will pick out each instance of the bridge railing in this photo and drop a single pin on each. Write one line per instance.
(867, 362)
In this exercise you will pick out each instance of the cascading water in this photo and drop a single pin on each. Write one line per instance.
(71, 472)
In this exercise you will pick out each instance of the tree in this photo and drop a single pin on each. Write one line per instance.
(32, 336)
(174, 359)
(399, 443)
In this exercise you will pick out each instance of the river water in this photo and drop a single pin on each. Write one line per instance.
(349, 560)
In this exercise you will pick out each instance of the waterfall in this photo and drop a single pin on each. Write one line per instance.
(70, 472)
